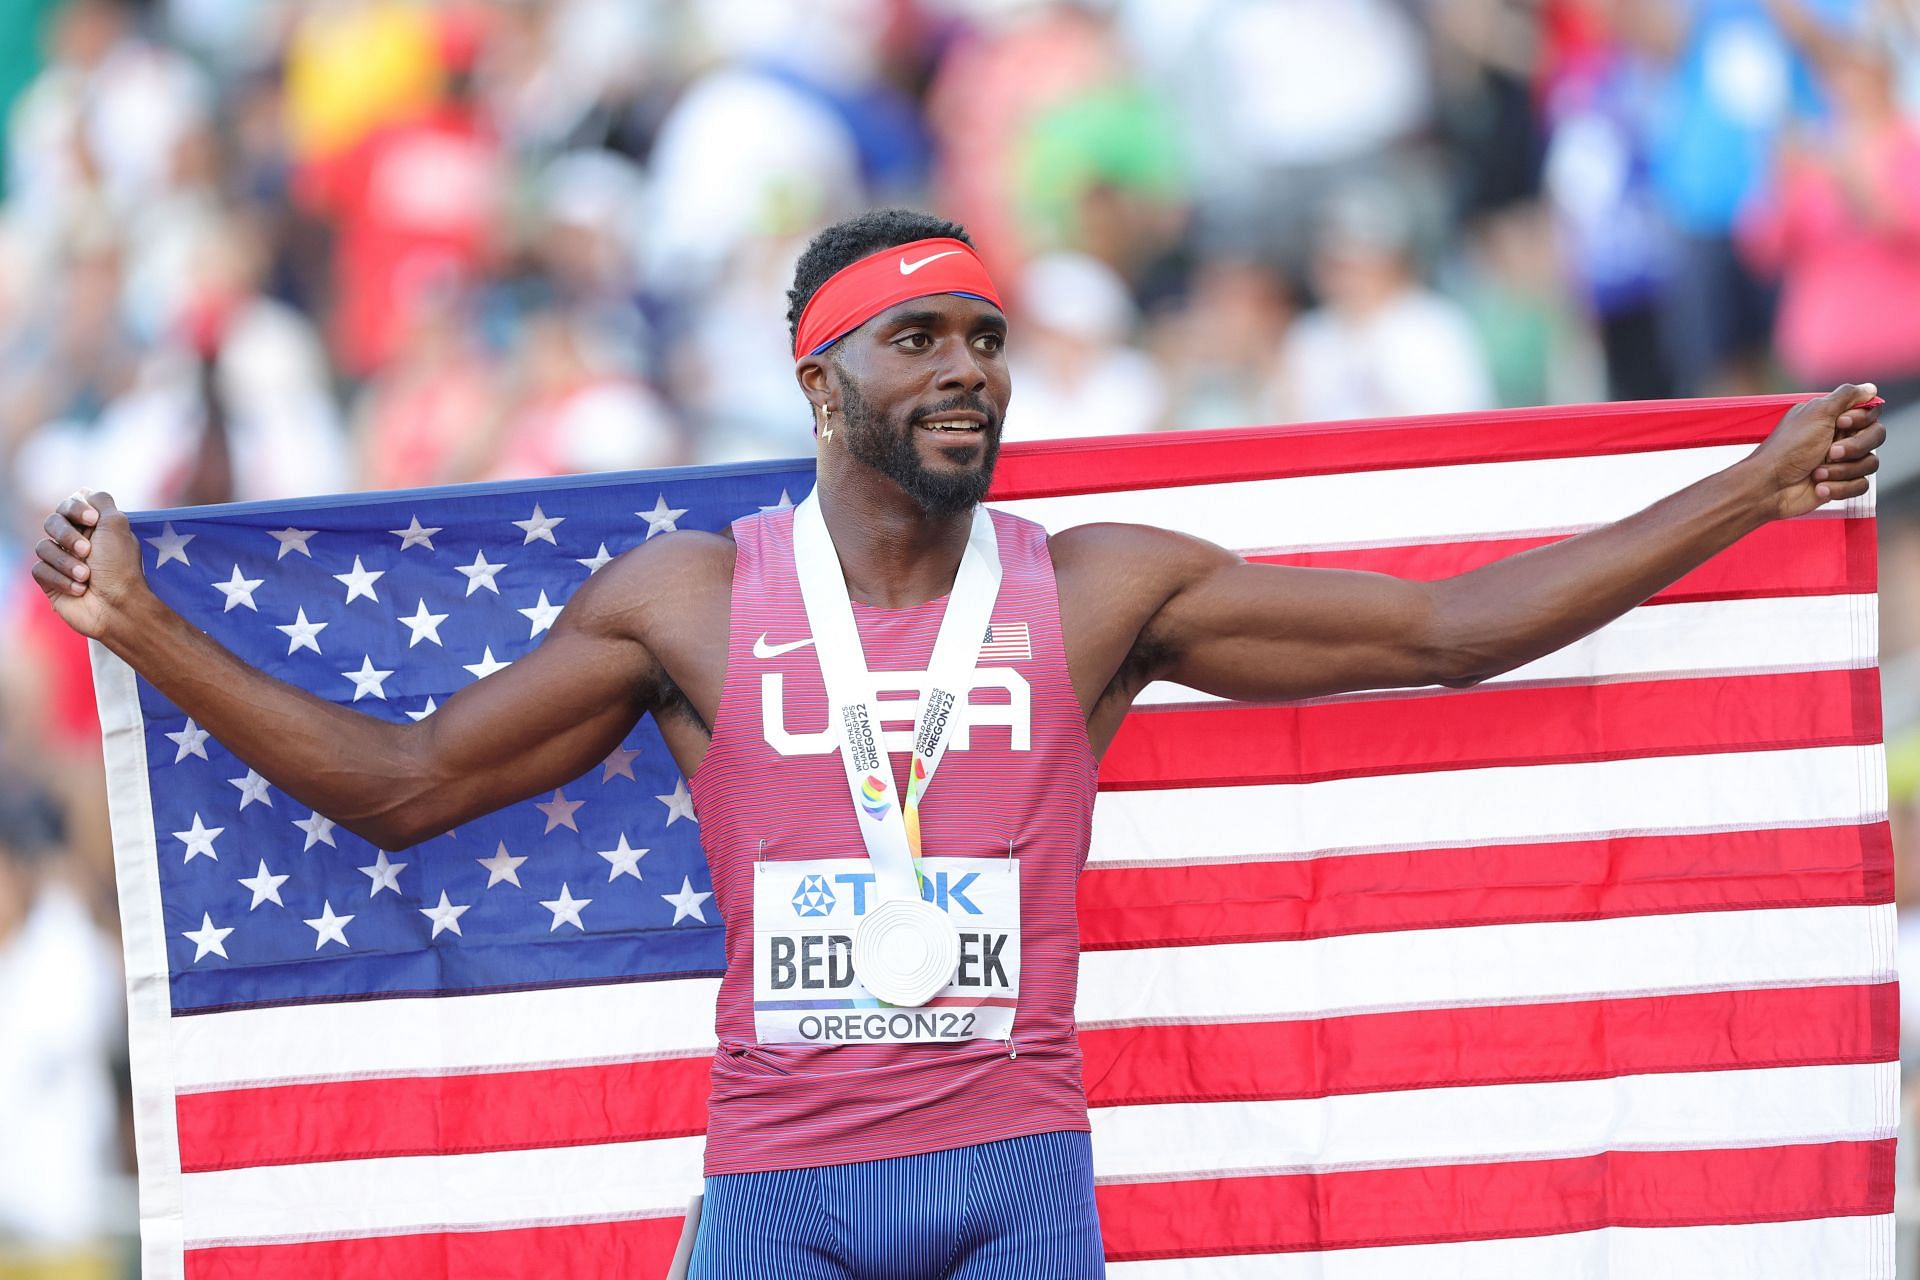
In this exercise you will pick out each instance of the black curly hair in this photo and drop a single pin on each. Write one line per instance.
(847, 242)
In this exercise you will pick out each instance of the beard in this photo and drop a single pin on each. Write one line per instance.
(894, 452)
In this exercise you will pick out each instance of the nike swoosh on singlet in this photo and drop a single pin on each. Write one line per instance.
(908, 268)
(763, 650)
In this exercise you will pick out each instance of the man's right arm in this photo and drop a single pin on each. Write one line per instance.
(528, 729)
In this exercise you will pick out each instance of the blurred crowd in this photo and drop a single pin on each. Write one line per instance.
(259, 248)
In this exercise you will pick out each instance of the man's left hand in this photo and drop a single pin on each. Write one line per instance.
(1823, 450)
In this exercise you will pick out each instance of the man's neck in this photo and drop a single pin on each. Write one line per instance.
(893, 554)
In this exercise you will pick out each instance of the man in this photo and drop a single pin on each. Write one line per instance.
(936, 1124)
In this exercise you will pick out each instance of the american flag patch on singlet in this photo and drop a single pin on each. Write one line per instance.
(1006, 642)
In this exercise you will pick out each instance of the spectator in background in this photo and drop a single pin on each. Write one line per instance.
(579, 409)
(356, 66)
(99, 125)
(1077, 374)
(1732, 81)
(60, 1005)
(1842, 222)
(414, 419)
(1219, 343)
(1617, 248)
(1285, 99)
(1380, 344)
(415, 203)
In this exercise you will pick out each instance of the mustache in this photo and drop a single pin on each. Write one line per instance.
(958, 404)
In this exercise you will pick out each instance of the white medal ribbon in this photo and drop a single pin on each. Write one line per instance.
(905, 949)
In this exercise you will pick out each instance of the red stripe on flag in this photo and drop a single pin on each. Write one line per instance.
(1819, 556)
(443, 1115)
(1291, 1213)
(1124, 907)
(1229, 744)
(636, 1247)
(1124, 1066)
(1495, 1044)
(1048, 468)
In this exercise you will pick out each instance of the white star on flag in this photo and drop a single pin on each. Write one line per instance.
(540, 615)
(238, 590)
(566, 908)
(559, 810)
(199, 840)
(661, 518)
(265, 886)
(597, 561)
(481, 573)
(414, 536)
(300, 633)
(487, 665)
(446, 915)
(385, 874)
(319, 831)
(781, 505)
(171, 545)
(687, 902)
(679, 804)
(424, 712)
(191, 740)
(623, 860)
(252, 787)
(207, 938)
(292, 540)
(423, 625)
(502, 866)
(538, 526)
(328, 927)
(359, 581)
(619, 764)
(367, 680)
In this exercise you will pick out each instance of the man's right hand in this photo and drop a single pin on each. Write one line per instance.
(89, 563)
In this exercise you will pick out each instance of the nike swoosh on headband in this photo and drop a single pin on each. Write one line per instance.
(763, 650)
(908, 268)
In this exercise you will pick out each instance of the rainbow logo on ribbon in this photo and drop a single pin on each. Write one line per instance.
(874, 798)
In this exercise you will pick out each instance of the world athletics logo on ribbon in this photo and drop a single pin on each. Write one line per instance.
(874, 798)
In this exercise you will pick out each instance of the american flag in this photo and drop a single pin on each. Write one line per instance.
(1587, 971)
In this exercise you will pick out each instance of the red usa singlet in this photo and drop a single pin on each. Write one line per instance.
(812, 1070)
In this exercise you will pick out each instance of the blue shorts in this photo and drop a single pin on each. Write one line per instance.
(1008, 1210)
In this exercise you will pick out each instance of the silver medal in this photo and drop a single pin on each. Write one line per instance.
(905, 950)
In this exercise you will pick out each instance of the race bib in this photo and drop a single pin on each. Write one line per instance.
(804, 987)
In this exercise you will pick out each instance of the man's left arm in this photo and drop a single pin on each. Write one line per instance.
(1267, 632)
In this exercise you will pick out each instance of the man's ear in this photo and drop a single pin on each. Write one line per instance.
(815, 382)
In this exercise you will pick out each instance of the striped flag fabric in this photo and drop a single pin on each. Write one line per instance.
(1585, 972)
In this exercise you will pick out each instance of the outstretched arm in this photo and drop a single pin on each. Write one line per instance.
(527, 729)
(1271, 632)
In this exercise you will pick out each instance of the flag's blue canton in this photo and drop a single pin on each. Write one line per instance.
(256, 913)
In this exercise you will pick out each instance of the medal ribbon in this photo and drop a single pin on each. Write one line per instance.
(891, 828)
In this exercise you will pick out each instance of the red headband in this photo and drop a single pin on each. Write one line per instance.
(861, 290)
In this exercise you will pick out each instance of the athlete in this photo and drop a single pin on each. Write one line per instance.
(934, 1134)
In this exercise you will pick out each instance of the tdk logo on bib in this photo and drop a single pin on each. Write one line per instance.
(805, 990)
(813, 897)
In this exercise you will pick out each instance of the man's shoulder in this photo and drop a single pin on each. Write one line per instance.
(676, 575)
(686, 556)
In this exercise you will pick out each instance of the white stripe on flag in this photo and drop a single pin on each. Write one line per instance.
(1485, 964)
(1488, 964)
(1478, 500)
(566, 1026)
(1717, 637)
(426, 1193)
(1853, 1248)
(1704, 1110)
(1458, 807)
